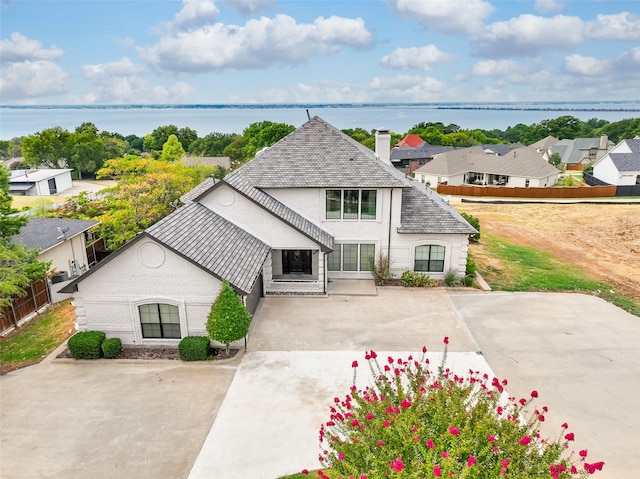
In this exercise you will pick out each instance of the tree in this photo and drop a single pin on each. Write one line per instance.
(211, 145)
(9, 225)
(18, 266)
(172, 150)
(229, 319)
(262, 134)
(555, 159)
(48, 148)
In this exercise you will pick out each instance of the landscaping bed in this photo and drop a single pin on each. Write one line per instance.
(160, 353)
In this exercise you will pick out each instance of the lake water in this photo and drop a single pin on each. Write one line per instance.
(142, 119)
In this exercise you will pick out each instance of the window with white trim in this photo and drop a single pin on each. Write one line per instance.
(350, 257)
(159, 320)
(351, 204)
(429, 259)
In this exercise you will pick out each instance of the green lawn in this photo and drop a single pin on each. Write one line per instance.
(38, 337)
(531, 269)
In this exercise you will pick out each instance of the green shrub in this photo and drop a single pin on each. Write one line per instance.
(229, 319)
(470, 272)
(475, 222)
(451, 277)
(411, 278)
(86, 345)
(194, 348)
(111, 348)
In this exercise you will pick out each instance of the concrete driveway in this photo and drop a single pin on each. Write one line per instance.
(581, 353)
(259, 419)
(105, 419)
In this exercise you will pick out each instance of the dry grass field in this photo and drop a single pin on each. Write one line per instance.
(603, 240)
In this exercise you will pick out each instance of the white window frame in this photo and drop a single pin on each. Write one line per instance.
(359, 218)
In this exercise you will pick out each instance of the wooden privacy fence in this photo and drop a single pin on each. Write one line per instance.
(532, 192)
(37, 296)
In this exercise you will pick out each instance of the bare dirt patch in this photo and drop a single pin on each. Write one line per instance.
(603, 240)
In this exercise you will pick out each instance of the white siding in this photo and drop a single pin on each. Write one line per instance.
(62, 255)
(108, 300)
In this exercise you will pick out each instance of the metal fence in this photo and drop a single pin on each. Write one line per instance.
(621, 190)
(37, 296)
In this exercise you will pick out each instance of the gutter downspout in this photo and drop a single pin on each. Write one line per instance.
(389, 236)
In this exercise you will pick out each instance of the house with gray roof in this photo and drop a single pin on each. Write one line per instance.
(314, 207)
(407, 158)
(621, 165)
(521, 167)
(59, 240)
(579, 152)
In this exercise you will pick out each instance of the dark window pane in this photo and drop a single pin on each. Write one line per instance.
(367, 253)
(333, 259)
(350, 205)
(350, 257)
(368, 207)
(334, 204)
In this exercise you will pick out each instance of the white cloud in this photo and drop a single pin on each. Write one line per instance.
(407, 88)
(621, 26)
(581, 65)
(32, 78)
(194, 14)
(451, 16)
(20, 48)
(260, 43)
(548, 5)
(124, 82)
(511, 71)
(419, 58)
(528, 35)
(379, 89)
(250, 7)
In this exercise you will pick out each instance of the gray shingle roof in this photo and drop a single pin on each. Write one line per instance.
(425, 151)
(213, 243)
(424, 211)
(628, 161)
(575, 151)
(316, 155)
(191, 195)
(524, 162)
(500, 149)
(280, 210)
(43, 234)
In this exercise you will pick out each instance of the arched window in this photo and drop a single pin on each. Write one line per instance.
(429, 259)
(159, 320)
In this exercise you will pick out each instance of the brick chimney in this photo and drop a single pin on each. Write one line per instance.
(383, 145)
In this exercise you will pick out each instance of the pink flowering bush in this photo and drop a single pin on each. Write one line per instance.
(418, 423)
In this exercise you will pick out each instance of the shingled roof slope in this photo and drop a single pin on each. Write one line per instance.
(316, 155)
(628, 161)
(43, 234)
(213, 243)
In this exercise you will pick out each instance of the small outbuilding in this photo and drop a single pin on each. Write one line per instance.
(44, 182)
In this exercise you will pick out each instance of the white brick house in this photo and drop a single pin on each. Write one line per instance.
(316, 205)
(621, 165)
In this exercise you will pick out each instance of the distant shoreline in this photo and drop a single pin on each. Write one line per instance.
(606, 106)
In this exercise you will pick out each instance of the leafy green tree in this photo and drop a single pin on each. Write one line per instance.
(228, 320)
(136, 144)
(234, 151)
(5, 150)
(172, 150)
(49, 148)
(18, 267)
(555, 159)
(186, 136)
(211, 145)
(262, 134)
(159, 137)
(621, 130)
(87, 150)
(9, 225)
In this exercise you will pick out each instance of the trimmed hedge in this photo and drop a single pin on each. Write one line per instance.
(194, 348)
(111, 348)
(86, 345)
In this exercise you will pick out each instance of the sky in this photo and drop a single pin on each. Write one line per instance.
(314, 51)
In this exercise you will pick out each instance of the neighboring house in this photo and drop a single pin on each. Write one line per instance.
(544, 146)
(315, 206)
(577, 153)
(621, 165)
(59, 240)
(39, 182)
(223, 161)
(497, 150)
(412, 152)
(522, 167)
